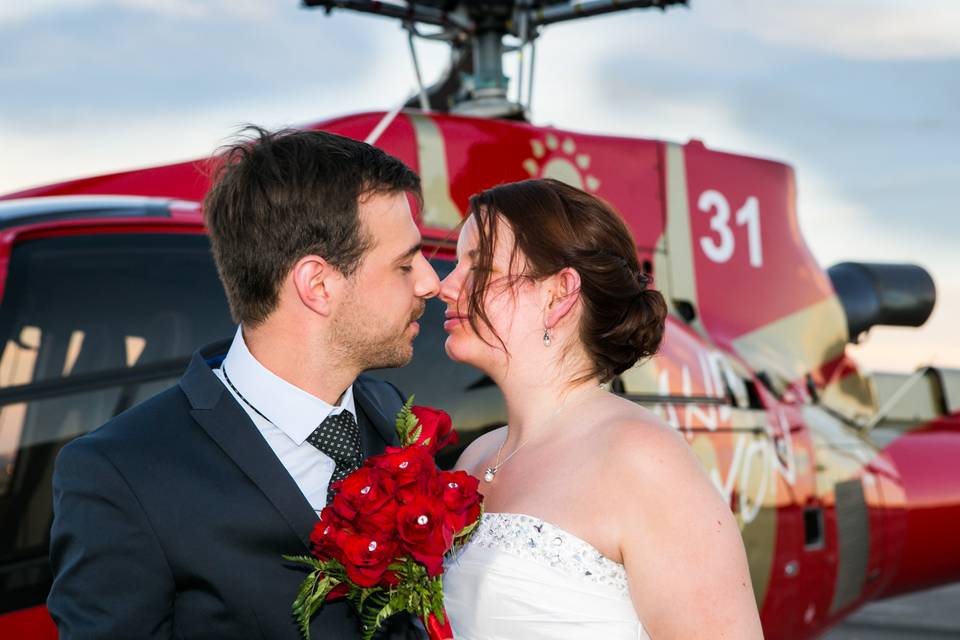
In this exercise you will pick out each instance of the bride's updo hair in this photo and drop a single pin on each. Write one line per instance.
(557, 226)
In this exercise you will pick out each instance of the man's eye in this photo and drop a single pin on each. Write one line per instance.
(406, 268)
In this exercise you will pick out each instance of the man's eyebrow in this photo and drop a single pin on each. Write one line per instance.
(412, 251)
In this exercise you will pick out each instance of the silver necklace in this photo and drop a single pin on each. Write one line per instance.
(492, 471)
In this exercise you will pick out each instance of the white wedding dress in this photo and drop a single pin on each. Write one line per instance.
(525, 579)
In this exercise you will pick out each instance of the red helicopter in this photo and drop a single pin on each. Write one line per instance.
(845, 485)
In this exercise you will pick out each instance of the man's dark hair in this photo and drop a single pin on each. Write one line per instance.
(280, 196)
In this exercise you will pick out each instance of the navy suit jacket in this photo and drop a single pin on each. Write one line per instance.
(170, 521)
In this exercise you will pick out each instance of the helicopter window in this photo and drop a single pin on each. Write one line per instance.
(90, 325)
(813, 528)
(686, 310)
(753, 395)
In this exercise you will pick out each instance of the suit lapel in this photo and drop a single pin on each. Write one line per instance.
(379, 430)
(228, 425)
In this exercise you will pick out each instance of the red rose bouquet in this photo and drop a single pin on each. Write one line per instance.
(381, 542)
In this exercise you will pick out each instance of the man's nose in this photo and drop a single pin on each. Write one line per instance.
(429, 284)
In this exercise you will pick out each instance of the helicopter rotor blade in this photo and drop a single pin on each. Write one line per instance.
(411, 11)
(576, 10)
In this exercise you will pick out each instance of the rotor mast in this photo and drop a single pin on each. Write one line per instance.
(476, 83)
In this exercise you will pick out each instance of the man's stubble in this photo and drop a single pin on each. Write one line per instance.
(364, 336)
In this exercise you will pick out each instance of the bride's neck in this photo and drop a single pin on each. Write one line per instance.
(532, 408)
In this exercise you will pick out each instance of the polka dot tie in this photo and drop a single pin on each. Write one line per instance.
(338, 436)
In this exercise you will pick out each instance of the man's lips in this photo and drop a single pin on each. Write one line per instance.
(413, 320)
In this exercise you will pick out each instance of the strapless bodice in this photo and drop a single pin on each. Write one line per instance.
(521, 577)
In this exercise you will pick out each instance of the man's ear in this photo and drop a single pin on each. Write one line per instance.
(563, 295)
(318, 284)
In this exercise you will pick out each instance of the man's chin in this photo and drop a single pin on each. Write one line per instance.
(404, 360)
(395, 359)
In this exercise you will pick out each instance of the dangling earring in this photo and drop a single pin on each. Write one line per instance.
(546, 337)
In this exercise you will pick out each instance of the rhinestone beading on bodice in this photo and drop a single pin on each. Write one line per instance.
(533, 538)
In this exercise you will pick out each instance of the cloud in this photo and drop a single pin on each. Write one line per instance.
(860, 29)
(880, 130)
(22, 12)
(109, 62)
(104, 91)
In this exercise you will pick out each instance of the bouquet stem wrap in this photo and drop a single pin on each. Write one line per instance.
(437, 630)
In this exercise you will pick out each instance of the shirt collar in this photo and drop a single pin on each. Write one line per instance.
(291, 409)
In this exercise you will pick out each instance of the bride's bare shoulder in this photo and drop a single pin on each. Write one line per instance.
(480, 449)
(639, 442)
(664, 499)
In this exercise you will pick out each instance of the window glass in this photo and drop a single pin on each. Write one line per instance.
(82, 320)
(82, 305)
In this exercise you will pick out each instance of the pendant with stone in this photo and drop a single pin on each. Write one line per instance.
(488, 476)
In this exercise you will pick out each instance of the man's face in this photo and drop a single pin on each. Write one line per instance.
(375, 323)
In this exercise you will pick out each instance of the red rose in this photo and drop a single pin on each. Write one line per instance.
(364, 491)
(382, 522)
(390, 579)
(365, 557)
(414, 491)
(436, 428)
(338, 592)
(406, 465)
(324, 535)
(458, 492)
(423, 531)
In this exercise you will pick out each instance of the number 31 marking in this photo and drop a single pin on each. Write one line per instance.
(721, 249)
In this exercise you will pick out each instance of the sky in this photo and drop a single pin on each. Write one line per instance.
(861, 97)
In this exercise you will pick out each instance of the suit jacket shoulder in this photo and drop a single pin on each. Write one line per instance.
(385, 393)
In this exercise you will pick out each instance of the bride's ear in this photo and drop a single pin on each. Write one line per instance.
(563, 294)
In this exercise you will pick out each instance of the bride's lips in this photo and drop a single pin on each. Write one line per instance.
(452, 320)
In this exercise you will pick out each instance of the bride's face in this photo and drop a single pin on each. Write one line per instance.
(512, 302)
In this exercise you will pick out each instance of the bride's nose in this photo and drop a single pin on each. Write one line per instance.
(451, 286)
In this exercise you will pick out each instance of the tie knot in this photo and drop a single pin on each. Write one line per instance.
(338, 436)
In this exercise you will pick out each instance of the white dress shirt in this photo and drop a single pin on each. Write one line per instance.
(293, 415)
